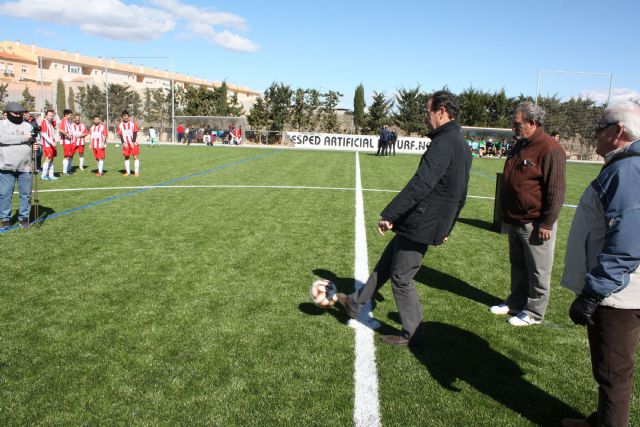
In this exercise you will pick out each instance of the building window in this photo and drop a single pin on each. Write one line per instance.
(1, 66)
(74, 70)
(9, 69)
(24, 68)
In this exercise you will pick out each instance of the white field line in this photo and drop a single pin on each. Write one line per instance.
(276, 187)
(366, 412)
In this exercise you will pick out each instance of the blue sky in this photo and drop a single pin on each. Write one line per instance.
(335, 45)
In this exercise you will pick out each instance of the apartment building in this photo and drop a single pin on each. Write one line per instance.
(38, 69)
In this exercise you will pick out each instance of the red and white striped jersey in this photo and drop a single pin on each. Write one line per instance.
(79, 131)
(65, 126)
(98, 136)
(48, 133)
(126, 130)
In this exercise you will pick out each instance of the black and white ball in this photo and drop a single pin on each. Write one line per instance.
(323, 293)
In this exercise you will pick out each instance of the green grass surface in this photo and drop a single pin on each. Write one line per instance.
(190, 305)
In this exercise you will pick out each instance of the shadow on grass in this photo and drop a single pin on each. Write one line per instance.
(443, 281)
(452, 354)
(478, 223)
(43, 213)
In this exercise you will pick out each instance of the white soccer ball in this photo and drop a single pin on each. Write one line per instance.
(323, 293)
(117, 145)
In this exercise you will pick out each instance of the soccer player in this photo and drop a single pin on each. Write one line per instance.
(48, 137)
(99, 143)
(66, 139)
(128, 131)
(79, 131)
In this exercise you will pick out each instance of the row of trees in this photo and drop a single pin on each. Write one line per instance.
(282, 108)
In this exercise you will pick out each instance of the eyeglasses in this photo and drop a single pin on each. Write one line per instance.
(602, 126)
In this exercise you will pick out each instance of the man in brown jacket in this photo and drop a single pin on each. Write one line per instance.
(531, 198)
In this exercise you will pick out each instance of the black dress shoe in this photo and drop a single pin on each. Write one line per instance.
(5, 225)
(24, 223)
(398, 340)
(346, 303)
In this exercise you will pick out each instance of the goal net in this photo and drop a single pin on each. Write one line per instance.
(573, 101)
(221, 129)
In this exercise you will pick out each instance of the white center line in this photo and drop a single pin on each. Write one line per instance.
(366, 411)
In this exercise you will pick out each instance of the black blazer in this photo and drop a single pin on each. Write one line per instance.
(427, 207)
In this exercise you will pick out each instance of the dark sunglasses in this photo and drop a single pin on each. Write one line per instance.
(602, 126)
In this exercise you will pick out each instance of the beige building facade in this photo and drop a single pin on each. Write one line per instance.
(38, 69)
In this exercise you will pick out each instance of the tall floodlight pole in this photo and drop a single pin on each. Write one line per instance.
(106, 91)
(173, 103)
(41, 84)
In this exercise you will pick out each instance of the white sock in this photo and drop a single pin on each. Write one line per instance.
(45, 167)
(51, 170)
(100, 164)
(81, 162)
(127, 166)
(65, 164)
(136, 165)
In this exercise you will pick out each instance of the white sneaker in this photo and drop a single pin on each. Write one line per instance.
(523, 319)
(500, 309)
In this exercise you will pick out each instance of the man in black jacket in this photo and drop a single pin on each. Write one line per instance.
(422, 214)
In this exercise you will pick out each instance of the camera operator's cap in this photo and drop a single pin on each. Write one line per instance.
(14, 107)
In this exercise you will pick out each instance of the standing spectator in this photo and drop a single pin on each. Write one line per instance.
(16, 150)
(393, 137)
(383, 140)
(128, 131)
(601, 265)
(422, 214)
(531, 198)
(48, 138)
(153, 136)
(180, 132)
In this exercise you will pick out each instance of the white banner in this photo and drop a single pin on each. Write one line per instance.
(343, 142)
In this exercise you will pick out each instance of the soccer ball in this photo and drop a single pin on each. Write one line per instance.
(323, 293)
(117, 145)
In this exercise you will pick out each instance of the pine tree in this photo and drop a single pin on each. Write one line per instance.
(379, 111)
(71, 100)
(61, 103)
(358, 108)
(28, 100)
(411, 111)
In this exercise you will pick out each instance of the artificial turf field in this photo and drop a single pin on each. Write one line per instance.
(186, 303)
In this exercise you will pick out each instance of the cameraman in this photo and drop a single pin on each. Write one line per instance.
(35, 131)
(16, 147)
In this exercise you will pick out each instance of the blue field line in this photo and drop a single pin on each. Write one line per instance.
(140, 190)
(483, 174)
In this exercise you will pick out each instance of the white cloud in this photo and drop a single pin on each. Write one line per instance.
(617, 95)
(113, 19)
(105, 18)
(203, 22)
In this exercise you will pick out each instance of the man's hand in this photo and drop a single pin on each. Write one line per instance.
(544, 234)
(384, 226)
(582, 310)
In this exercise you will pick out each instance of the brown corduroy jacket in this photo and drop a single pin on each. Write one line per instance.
(534, 181)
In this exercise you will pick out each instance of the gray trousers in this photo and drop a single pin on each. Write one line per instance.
(400, 262)
(531, 263)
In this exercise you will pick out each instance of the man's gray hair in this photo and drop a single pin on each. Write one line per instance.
(530, 111)
(626, 113)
